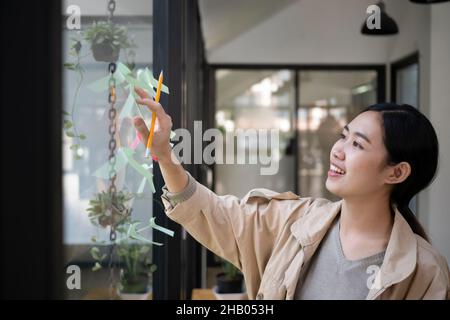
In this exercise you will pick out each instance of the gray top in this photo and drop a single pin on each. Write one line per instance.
(330, 276)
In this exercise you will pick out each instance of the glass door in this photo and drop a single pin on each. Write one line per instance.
(328, 99)
(253, 102)
(106, 31)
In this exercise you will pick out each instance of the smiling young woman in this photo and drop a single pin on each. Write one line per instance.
(369, 245)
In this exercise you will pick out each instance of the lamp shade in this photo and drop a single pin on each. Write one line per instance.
(428, 1)
(387, 25)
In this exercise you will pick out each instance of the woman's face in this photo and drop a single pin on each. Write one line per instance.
(358, 159)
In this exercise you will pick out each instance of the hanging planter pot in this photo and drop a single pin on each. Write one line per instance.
(107, 39)
(105, 52)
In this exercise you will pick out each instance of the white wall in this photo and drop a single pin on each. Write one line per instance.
(427, 29)
(414, 36)
(439, 208)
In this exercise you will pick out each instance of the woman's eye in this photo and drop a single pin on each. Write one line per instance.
(341, 136)
(357, 145)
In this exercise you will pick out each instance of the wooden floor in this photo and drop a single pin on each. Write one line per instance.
(203, 294)
(105, 294)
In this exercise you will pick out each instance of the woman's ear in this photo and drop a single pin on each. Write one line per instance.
(398, 173)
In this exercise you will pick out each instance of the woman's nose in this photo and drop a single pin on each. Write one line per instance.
(338, 154)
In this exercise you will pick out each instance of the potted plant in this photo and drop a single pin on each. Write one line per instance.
(136, 271)
(133, 249)
(109, 208)
(229, 283)
(107, 39)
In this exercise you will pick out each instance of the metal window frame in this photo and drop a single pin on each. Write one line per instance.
(178, 49)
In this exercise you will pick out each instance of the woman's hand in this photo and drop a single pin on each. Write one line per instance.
(160, 144)
(173, 173)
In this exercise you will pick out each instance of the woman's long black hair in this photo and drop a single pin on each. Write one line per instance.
(409, 136)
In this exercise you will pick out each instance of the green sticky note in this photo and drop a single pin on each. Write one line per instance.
(129, 79)
(128, 107)
(141, 186)
(150, 183)
(138, 167)
(134, 234)
(154, 83)
(147, 75)
(103, 171)
(99, 85)
(144, 83)
(102, 84)
(159, 228)
(123, 69)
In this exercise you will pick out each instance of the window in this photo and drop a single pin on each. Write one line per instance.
(256, 99)
(405, 89)
(328, 100)
(86, 138)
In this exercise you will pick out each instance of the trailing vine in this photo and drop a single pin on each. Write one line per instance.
(70, 127)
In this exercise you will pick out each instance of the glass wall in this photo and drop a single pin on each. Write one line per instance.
(328, 100)
(118, 31)
(406, 84)
(253, 100)
(250, 103)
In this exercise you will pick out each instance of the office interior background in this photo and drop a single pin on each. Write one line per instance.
(301, 66)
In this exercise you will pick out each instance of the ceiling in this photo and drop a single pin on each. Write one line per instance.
(224, 20)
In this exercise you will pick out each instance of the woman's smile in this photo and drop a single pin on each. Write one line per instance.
(335, 171)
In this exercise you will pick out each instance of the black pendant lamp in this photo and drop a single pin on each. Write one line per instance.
(387, 25)
(428, 1)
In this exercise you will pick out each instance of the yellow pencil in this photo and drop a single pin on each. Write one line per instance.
(152, 126)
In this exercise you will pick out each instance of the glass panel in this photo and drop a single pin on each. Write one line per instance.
(407, 85)
(85, 150)
(262, 99)
(328, 100)
(407, 91)
(257, 100)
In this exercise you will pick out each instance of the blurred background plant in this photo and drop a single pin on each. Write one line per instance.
(113, 209)
(230, 271)
(137, 267)
(230, 280)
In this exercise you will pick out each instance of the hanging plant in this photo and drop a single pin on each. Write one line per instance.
(70, 128)
(109, 208)
(107, 39)
(132, 247)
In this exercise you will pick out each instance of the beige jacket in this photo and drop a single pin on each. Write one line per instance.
(269, 236)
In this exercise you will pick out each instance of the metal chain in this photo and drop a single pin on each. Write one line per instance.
(112, 140)
(112, 145)
(111, 8)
